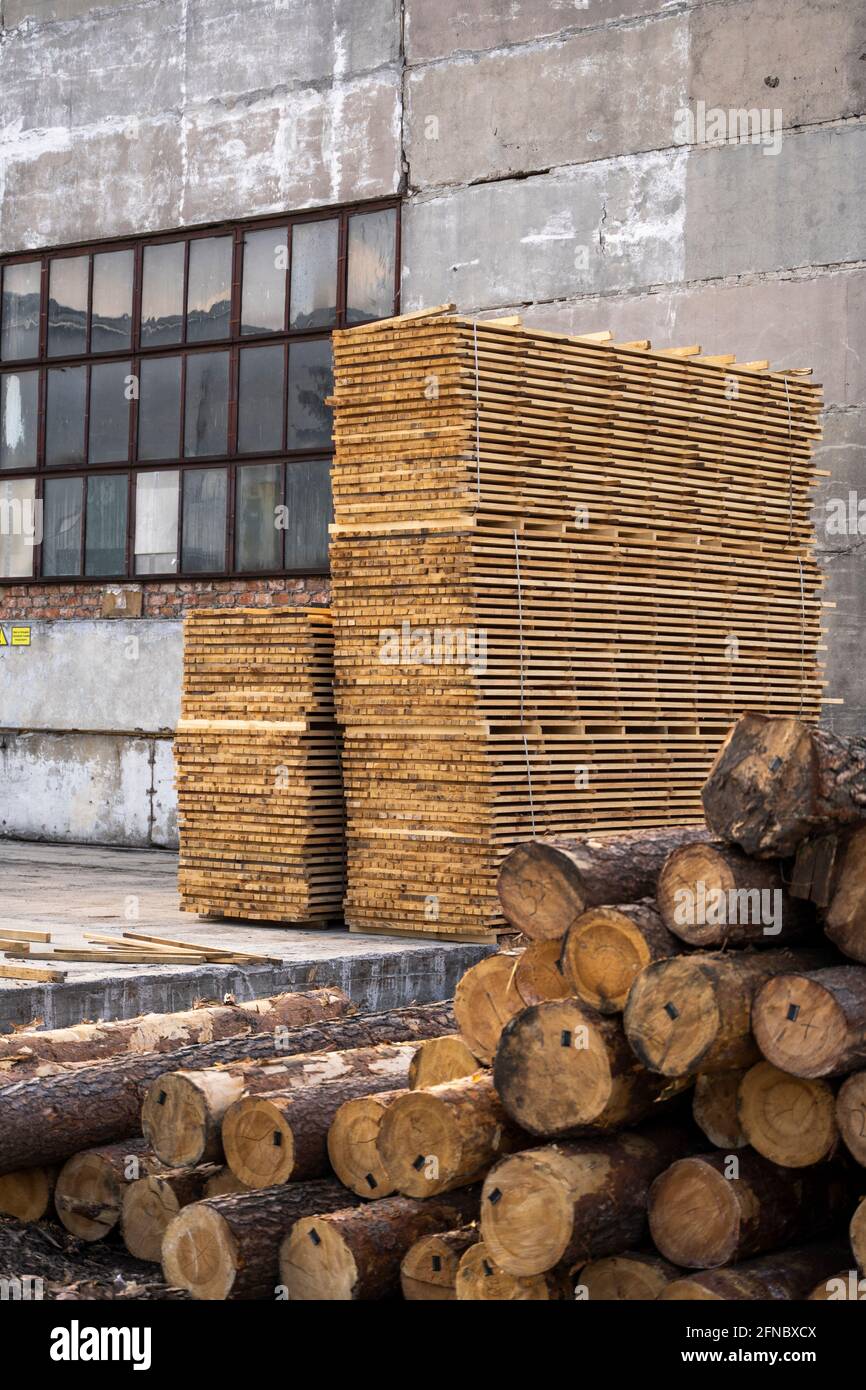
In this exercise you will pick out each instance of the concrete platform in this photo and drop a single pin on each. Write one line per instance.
(68, 889)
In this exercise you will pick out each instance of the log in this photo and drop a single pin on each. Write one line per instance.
(441, 1059)
(813, 1023)
(714, 1108)
(481, 1280)
(545, 885)
(633, 1275)
(569, 1203)
(715, 1209)
(605, 950)
(88, 1042)
(561, 1067)
(48, 1120)
(538, 975)
(356, 1255)
(223, 1183)
(353, 1149)
(817, 864)
(429, 1269)
(151, 1204)
(790, 1274)
(90, 1187)
(714, 895)
(228, 1247)
(485, 999)
(283, 1136)
(851, 1115)
(857, 1233)
(777, 780)
(435, 1140)
(788, 1119)
(694, 1013)
(844, 1285)
(845, 917)
(27, 1194)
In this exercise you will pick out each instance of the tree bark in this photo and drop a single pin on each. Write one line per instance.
(813, 1024)
(719, 1208)
(441, 1059)
(152, 1203)
(429, 1269)
(790, 1274)
(714, 1108)
(845, 916)
(714, 895)
(694, 1013)
(545, 885)
(183, 1112)
(633, 1275)
(90, 1187)
(851, 1115)
(353, 1145)
(607, 948)
(485, 999)
(283, 1136)
(569, 1203)
(45, 1121)
(27, 1194)
(89, 1042)
(228, 1247)
(434, 1140)
(560, 1068)
(788, 1119)
(481, 1280)
(356, 1255)
(777, 780)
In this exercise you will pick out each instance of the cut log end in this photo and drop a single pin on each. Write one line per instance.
(316, 1264)
(858, 1236)
(553, 1069)
(851, 1115)
(149, 1207)
(763, 773)
(258, 1142)
(540, 892)
(672, 1017)
(199, 1253)
(481, 1280)
(352, 1145)
(441, 1059)
(799, 1026)
(527, 1215)
(26, 1195)
(420, 1144)
(429, 1269)
(89, 1194)
(485, 999)
(602, 955)
(178, 1116)
(791, 1120)
(626, 1277)
(714, 1108)
(693, 1215)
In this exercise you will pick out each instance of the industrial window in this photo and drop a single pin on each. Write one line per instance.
(162, 401)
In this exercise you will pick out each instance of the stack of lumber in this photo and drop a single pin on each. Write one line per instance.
(117, 948)
(561, 568)
(258, 767)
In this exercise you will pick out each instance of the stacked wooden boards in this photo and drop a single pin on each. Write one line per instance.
(561, 568)
(262, 819)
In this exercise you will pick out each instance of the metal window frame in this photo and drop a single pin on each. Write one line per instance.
(136, 354)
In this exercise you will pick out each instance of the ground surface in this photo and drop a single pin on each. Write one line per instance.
(71, 1269)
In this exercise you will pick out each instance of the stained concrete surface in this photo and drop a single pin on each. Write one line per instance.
(69, 889)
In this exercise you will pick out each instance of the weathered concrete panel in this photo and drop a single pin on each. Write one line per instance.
(91, 788)
(538, 107)
(438, 28)
(87, 674)
(163, 829)
(817, 321)
(48, 11)
(614, 225)
(749, 211)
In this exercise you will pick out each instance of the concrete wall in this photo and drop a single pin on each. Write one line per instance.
(540, 146)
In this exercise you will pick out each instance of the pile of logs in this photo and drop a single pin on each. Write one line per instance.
(658, 1092)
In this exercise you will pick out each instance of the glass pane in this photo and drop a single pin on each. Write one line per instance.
(109, 412)
(64, 429)
(105, 551)
(159, 408)
(67, 305)
(20, 527)
(19, 336)
(311, 379)
(61, 544)
(264, 299)
(260, 417)
(372, 254)
(258, 539)
(308, 513)
(207, 404)
(111, 321)
(156, 511)
(204, 520)
(162, 294)
(209, 294)
(19, 406)
(314, 275)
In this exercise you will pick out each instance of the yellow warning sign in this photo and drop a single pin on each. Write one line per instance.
(21, 637)
(3, 642)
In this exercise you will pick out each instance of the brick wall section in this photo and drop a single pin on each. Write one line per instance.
(168, 599)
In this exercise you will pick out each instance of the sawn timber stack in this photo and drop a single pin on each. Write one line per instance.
(258, 767)
(561, 569)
